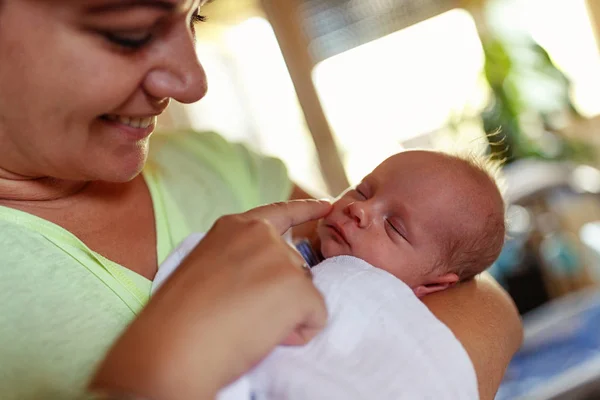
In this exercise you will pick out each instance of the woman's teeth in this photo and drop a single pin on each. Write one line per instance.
(138, 123)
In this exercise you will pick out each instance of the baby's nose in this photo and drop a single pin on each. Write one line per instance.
(358, 213)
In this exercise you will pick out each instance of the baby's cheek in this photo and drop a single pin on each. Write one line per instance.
(379, 257)
(331, 248)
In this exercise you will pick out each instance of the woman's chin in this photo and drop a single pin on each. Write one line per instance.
(118, 170)
(124, 177)
(125, 174)
(127, 166)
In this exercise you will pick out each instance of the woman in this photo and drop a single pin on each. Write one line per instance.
(87, 214)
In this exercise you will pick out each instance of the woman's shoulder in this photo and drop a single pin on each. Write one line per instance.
(205, 146)
(18, 244)
(50, 306)
(206, 162)
(44, 271)
(28, 246)
(208, 149)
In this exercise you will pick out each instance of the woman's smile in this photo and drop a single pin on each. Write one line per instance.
(132, 128)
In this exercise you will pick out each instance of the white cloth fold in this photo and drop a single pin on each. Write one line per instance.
(174, 259)
(381, 342)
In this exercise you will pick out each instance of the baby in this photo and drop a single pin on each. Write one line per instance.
(419, 223)
(428, 218)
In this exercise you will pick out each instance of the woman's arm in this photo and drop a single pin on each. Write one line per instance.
(485, 320)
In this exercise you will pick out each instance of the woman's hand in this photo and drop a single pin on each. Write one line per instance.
(240, 293)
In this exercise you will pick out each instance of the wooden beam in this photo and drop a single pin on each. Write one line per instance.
(593, 7)
(284, 18)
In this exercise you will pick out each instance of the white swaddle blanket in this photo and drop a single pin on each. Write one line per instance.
(381, 342)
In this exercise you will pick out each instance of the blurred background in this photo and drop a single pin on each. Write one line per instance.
(332, 87)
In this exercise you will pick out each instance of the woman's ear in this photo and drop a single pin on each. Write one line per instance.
(438, 284)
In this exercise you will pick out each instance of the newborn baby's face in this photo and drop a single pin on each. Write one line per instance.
(399, 218)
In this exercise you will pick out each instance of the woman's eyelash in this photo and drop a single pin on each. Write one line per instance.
(197, 18)
(128, 42)
(138, 42)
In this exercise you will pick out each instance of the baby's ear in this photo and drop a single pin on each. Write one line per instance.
(437, 284)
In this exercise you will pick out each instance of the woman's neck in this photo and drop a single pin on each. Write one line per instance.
(17, 188)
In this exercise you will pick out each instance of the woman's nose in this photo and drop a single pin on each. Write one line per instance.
(178, 73)
(359, 213)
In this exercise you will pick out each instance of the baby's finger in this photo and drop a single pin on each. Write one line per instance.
(285, 215)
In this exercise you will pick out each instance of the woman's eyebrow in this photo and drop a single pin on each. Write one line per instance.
(120, 5)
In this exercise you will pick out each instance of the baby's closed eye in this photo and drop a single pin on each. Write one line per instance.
(396, 228)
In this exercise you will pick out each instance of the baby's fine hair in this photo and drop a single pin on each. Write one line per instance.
(472, 254)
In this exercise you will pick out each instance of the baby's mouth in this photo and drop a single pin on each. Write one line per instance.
(339, 233)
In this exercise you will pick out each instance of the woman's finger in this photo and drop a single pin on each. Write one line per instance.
(304, 334)
(285, 215)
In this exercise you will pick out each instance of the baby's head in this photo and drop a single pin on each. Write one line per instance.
(429, 218)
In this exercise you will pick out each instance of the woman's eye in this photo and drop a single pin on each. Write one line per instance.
(197, 18)
(129, 41)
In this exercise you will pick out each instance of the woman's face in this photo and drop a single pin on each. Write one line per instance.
(82, 81)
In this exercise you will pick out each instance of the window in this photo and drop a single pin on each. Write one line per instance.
(251, 99)
(388, 92)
